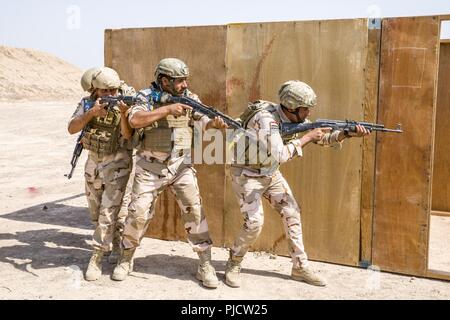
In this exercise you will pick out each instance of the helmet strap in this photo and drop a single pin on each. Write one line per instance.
(293, 112)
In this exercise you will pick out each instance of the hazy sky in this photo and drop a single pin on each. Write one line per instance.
(73, 30)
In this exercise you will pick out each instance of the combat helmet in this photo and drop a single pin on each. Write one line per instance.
(295, 94)
(86, 79)
(172, 67)
(106, 78)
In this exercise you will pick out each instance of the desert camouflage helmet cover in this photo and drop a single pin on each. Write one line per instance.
(106, 78)
(172, 67)
(86, 79)
(295, 94)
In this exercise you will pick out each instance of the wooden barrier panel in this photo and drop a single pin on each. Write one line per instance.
(441, 166)
(404, 162)
(232, 65)
(331, 56)
(370, 115)
(134, 53)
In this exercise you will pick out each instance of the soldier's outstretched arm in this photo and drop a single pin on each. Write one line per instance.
(314, 135)
(141, 117)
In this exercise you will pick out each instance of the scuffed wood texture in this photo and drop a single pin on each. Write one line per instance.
(404, 162)
(441, 165)
(368, 169)
(330, 56)
(134, 53)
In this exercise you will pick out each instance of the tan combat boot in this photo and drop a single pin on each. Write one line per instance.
(233, 271)
(124, 266)
(94, 269)
(307, 275)
(205, 272)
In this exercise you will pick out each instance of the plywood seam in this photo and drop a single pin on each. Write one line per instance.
(376, 143)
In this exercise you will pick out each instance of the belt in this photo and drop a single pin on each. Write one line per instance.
(179, 153)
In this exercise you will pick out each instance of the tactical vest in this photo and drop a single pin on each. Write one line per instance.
(101, 135)
(246, 116)
(168, 134)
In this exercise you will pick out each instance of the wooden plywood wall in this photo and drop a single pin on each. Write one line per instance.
(369, 201)
(331, 56)
(441, 167)
(403, 167)
(134, 53)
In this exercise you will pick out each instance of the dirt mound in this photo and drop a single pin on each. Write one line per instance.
(27, 74)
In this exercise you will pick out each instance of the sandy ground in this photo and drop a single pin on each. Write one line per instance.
(45, 236)
(439, 256)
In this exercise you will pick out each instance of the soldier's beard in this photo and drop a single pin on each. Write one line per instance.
(173, 91)
(176, 92)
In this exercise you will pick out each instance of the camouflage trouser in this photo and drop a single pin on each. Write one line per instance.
(249, 191)
(146, 188)
(123, 212)
(105, 185)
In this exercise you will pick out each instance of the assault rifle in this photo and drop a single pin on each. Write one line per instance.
(76, 154)
(203, 109)
(344, 125)
(111, 101)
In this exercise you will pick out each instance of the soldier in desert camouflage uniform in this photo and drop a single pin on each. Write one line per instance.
(163, 160)
(125, 90)
(253, 179)
(107, 136)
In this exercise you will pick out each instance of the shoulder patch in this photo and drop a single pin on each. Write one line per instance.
(274, 124)
(87, 103)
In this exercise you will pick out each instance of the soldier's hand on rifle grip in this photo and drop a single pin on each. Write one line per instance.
(123, 107)
(98, 110)
(177, 109)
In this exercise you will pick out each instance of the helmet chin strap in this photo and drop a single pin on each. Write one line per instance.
(295, 113)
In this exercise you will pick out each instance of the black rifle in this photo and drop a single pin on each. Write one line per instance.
(203, 109)
(344, 125)
(111, 101)
(76, 154)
